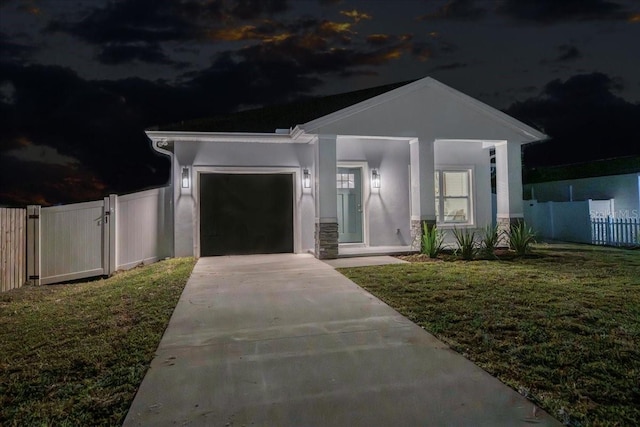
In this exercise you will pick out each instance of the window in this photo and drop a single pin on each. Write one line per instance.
(346, 180)
(453, 196)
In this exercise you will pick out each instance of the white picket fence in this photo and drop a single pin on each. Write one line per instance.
(615, 231)
(97, 238)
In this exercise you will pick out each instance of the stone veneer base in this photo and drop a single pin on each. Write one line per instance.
(417, 231)
(326, 234)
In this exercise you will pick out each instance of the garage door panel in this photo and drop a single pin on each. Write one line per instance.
(246, 214)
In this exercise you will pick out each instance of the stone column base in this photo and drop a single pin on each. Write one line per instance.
(326, 240)
(504, 226)
(417, 231)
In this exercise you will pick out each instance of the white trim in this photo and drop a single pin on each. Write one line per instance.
(472, 197)
(366, 193)
(295, 172)
(268, 138)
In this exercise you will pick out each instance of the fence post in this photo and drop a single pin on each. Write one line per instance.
(113, 234)
(34, 256)
(108, 234)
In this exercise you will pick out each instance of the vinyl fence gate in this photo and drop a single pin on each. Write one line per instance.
(97, 238)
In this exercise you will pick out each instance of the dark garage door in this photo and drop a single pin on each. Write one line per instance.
(246, 214)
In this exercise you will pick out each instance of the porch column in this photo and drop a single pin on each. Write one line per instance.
(423, 201)
(326, 227)
(509, 185)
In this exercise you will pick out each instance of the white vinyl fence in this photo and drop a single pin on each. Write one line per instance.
(568, 221)
(98, 238)
(582, 222)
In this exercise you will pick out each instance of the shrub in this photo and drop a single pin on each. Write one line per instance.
(490, 239)
(467, 246)
(521, 237)
(432, 240)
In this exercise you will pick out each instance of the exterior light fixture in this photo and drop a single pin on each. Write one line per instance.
(306, 178)
(375, 178)
(186, 179)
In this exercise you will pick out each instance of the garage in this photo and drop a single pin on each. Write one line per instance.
(243, 214)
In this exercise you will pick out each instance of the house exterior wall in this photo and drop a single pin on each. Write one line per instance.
(387, 207)
(236, 157)
(625, 189)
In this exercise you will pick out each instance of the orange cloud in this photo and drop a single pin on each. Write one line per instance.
(245, 32)
(394, 54)
(357, 16)
(378, 38)
(277, 38)
(635, 18)
(313, 41)
(335, 27)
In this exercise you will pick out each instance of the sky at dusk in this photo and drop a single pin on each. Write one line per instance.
(80, 80)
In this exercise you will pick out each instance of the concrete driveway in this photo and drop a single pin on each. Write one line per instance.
(285, 340)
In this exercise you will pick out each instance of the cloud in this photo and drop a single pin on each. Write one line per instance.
(12, 50)
(378, 39)
(450, 66)
(585, 119)
(25, 182)
(117, 53)
(566, 53)
(460, 10)
(554, 11)
(30, 152)
(153, 21)
(58, 118)
(251, 9)
(356, 15)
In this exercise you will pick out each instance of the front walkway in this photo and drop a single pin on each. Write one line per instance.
(285, 340)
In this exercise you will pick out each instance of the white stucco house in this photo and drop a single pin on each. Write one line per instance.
(362, 179)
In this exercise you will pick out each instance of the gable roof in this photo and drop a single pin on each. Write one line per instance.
(429, 109)
(429, 103)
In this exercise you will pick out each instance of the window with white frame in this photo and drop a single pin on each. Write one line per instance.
(453, 196)
(346, 180)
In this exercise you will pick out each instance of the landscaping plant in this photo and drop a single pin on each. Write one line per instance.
(490, 239)
(521, 237)
(467, 246)
(432, 240)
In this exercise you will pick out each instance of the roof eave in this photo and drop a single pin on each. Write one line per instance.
(247, 137)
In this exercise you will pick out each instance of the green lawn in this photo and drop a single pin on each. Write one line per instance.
(562, 327)
(75, 354)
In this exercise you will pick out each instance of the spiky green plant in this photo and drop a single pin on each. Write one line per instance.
(432, 240)
(467, 245)
(490, 239)
(521, 237)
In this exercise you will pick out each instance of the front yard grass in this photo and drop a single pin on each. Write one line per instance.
(75, 354)
(562, 327)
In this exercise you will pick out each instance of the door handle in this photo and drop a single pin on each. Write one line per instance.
(359, 207)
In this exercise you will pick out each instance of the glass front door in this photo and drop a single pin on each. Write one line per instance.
(349, 192)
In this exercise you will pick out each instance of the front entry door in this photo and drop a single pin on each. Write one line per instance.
(349, 190)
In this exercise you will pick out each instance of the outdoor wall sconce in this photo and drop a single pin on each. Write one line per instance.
(375, 178)
(306, 178)
(186, 179)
